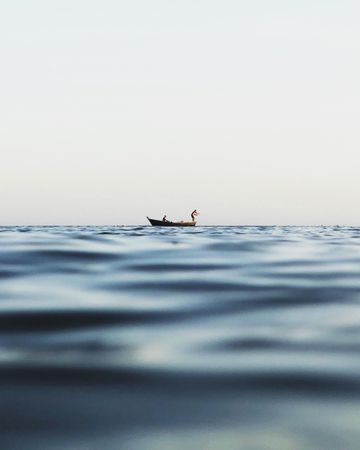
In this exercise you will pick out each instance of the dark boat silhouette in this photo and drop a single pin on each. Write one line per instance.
(161, 223)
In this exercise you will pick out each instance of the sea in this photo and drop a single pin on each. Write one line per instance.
(205, 338)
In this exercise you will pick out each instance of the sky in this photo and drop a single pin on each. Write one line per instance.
(115, 110)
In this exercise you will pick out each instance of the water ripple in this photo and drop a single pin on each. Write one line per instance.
(254, 330)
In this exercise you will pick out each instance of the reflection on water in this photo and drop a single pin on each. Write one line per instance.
(207, 338)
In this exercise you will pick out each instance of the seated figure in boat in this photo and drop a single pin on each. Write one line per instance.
(165, 219)
(194, 214)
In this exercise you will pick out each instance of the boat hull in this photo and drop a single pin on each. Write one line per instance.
(160, 223)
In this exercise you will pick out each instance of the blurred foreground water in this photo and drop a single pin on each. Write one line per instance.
(216, 338)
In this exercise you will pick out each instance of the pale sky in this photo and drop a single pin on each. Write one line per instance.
(114, 110)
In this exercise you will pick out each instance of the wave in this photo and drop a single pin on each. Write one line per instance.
(228, 328)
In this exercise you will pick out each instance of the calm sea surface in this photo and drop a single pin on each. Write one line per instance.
(216, 338)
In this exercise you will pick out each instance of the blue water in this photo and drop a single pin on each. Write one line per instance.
(215, 338)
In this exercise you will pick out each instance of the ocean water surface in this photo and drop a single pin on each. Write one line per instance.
(216, 338)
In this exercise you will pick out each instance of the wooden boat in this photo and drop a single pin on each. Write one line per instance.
(161, 223)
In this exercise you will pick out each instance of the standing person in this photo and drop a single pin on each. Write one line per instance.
(194, 214)
(164, 218)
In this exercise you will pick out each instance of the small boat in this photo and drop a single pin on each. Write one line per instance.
(167, 223)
